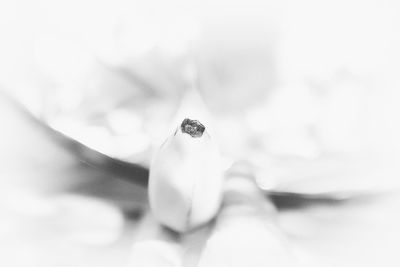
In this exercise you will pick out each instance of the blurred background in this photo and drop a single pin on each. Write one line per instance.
(306, 92)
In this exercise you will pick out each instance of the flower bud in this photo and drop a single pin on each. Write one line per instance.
(185, 184)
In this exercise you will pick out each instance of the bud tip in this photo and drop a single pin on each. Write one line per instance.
(192, 127)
